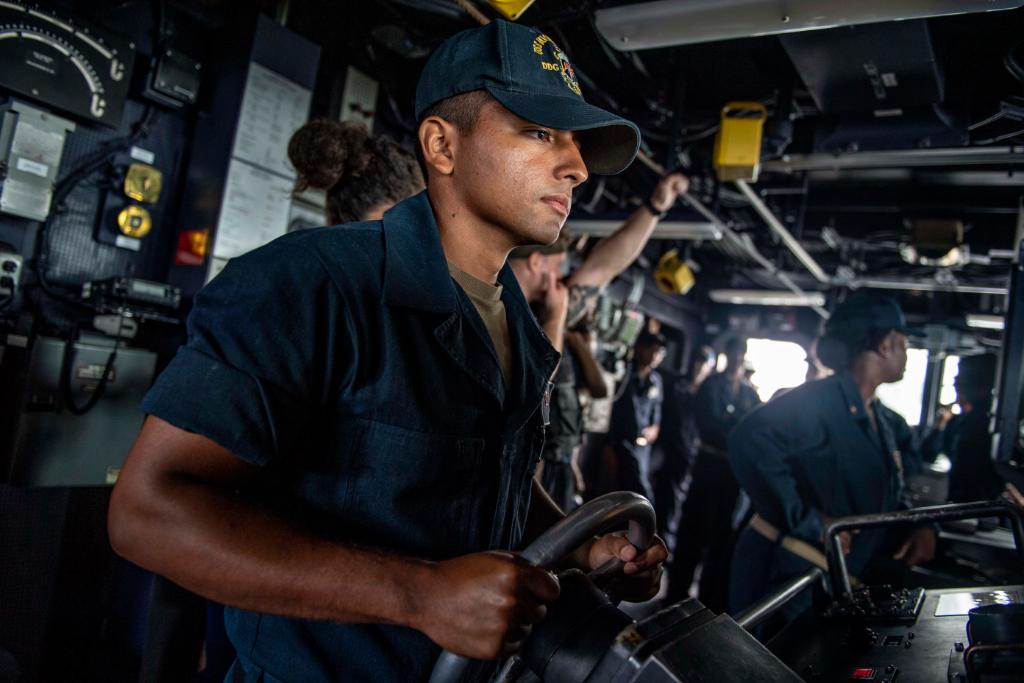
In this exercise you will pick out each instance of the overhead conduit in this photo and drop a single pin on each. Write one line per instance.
(743, 242)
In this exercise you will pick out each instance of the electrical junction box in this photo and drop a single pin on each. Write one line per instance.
(53, 447)
(32, 143)
(737, 154)
(174, 79)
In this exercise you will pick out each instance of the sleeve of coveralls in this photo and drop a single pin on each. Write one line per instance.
(759, 452)
(261, 350)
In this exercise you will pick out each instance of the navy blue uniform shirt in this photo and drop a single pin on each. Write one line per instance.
(347, 365)
(808, 453)
(638, 408)
(566, 429)
(719, 409)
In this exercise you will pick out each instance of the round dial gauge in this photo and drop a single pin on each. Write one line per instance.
(63, 63)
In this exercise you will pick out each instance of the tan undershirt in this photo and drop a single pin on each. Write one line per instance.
(486, 299)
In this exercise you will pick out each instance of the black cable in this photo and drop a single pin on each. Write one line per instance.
(86, 167)
(984, 122)
(67, 370)
(708, 132)
(1013, 65)
(999, 138)
(159, 10)
(609, 52)
(40, 263)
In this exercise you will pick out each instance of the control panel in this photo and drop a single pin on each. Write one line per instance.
(889, 645)
(882, 604)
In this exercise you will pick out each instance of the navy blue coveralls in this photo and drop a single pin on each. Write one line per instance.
(564, 434)
(638, 408)
(973, 474)
(705, 531)
(679, 441)
(808, 453)
(347, 365)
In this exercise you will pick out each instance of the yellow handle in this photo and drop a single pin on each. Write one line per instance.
(745, 106)
(669, 259)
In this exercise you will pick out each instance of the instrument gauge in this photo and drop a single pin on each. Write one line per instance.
(64, 63)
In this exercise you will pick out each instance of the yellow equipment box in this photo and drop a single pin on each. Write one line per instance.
(510, 9)
(672, 275)
(738, 143)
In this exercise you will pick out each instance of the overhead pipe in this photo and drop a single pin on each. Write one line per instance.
(787, 237)
(668, 230)
(926, 286)
(872, 283)
(732, 236)
(841, 584)
(900, 158)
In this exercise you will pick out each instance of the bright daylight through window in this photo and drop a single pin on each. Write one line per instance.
(776, 365)
(947, 396)
(782, 364)
(906, 396)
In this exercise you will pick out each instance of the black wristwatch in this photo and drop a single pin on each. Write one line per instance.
(654, 212)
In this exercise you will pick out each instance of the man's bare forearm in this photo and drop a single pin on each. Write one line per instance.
(221, 546)
(554, 328)
(189, 523)
(542, 515)
(593, 377)
(615, 253)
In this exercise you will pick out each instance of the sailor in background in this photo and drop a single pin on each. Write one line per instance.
(705, 530)
(825, 450)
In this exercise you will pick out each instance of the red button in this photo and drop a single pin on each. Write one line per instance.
(863, 674)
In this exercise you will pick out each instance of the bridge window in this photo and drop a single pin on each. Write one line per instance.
(906, 396)
(947, 395)
(776, 365)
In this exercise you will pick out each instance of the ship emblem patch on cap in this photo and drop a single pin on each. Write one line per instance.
(545, 47)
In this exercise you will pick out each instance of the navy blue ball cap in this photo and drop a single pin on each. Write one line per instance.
(648, 338)
(530, 76)
(863, 312)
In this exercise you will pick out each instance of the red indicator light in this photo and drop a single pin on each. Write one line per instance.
(863, 674)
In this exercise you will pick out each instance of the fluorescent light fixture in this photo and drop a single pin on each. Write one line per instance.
(896, 159)
(663, 23)
(981, 321)
(666, 230)
(927, 286)
(765, 297)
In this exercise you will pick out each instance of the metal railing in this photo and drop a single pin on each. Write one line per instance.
(759, 612)
(936, 513)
